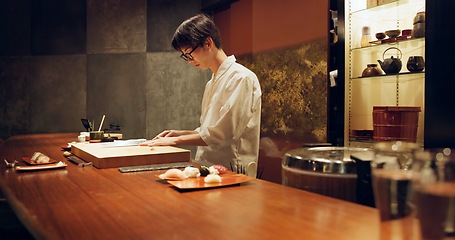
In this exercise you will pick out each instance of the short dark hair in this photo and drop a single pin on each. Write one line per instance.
(194, 31)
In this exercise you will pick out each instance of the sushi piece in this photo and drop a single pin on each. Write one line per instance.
(192, 172)
(212, 178)
(39, 158)
(220, 168)
(213, 170)
(173, 174)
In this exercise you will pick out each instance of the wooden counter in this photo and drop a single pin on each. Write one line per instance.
(91, 203)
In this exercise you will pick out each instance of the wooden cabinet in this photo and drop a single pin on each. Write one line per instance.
(362, 93)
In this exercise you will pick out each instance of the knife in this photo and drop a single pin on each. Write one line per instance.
(123, 143)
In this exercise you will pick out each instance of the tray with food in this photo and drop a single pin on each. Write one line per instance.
(203, 177)
(38, 158)
(202, 182)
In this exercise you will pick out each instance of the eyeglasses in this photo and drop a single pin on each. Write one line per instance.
(187, 56)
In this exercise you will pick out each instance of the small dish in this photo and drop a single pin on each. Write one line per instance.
(380, 35)
(43, 167)
(393, 33)
(29, 161)
(406, 32)
(66, 148)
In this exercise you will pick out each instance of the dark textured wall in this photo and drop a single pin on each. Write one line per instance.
(116, 26)
(42, 66)
(58, 27)
(61, 61)
(15, 31)
(164, 17)
(56, 91)
(14, 95)
(115, 88)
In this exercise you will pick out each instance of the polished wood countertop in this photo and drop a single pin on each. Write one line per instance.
(90, 203)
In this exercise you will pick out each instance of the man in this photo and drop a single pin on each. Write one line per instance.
(231, 106)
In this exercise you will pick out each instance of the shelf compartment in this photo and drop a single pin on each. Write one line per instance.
(404, 42)
(394, 15)
(360, 57)
(403, 76)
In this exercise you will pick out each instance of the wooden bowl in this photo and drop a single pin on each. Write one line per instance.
(380, 35)
(393, 33)
(406, 32)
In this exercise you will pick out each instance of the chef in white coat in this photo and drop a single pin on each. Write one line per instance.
(229, 128)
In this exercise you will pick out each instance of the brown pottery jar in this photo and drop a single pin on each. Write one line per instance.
(419, 25)
(371, 70)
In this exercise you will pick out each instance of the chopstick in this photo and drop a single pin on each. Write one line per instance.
(101, 125)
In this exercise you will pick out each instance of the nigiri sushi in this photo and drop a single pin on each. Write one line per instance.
(192, 172)
(212, 178)
(174, 174)
(39, 158)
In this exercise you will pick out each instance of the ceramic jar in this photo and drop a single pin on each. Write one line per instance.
(415, 64)
(419, 17)
(366, 37)
(371, 70)
(419, 25)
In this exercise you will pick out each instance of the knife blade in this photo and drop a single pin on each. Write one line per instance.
(123, 143)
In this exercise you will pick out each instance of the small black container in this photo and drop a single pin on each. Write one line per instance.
(415, 64)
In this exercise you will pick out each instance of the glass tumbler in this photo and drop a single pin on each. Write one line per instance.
(434, 193)
(392, 176)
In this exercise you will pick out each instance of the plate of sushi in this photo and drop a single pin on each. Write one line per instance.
(203, 177)
(38, 158)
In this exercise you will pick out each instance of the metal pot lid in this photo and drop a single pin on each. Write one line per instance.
(330, 160)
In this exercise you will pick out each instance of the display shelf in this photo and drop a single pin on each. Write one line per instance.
(360, 10)
(394, 15)
(402, 76)
(405, 42)
(361, 57)
(361, 7)
(402, 89)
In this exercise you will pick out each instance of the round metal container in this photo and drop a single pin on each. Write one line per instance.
(330, 171)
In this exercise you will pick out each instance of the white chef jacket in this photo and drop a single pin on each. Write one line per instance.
(231, 116)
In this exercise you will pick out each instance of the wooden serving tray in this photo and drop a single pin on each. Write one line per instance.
(40, 167)
(198, 183)
(29, 161)
(102, 156)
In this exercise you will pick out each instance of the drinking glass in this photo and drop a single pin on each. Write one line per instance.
(392, 175)
(434, 192)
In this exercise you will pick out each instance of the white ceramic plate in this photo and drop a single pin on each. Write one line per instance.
(41, 167)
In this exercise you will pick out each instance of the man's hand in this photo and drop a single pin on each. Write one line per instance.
(160, 141)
